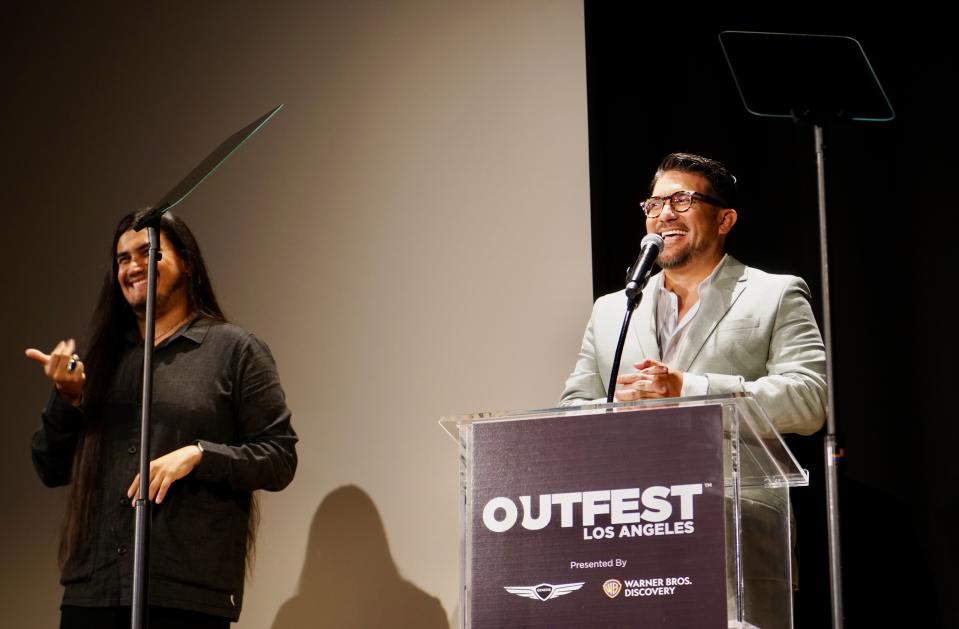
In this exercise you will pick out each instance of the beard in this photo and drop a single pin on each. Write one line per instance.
(675, 259)
(679, 258)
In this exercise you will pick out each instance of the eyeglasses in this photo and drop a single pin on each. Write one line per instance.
(680, 202)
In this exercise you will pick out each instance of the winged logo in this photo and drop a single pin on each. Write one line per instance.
(543, 591)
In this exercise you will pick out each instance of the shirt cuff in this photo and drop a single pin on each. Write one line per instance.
(694, 384)
(61, 415)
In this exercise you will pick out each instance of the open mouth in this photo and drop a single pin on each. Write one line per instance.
(672, 235)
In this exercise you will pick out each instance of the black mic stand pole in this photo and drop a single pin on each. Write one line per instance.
(631, 304)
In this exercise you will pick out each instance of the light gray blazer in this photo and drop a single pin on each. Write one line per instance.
(754, 333)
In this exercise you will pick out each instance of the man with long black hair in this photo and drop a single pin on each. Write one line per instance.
(220, 430)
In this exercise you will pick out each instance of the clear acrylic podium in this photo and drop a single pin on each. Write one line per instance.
(658, 513)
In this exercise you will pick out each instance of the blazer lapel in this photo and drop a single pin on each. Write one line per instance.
(729, 283)
(643, 324)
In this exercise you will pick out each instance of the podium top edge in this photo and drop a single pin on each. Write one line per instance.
(588, 409)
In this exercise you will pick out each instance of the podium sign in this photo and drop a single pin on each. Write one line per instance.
(652, 514)
(588, 518)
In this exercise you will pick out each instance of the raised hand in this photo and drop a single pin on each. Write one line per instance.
(64, 368)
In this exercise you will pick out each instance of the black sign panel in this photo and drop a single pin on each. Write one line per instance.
(607, 520)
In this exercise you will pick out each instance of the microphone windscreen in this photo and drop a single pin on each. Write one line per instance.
(652, 239)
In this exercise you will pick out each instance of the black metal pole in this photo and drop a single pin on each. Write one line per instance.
(141, 542)
(618, 355)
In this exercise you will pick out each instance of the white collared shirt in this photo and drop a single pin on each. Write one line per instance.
(671, 332)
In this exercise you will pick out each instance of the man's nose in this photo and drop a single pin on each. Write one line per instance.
(137, 263)
(667, 213)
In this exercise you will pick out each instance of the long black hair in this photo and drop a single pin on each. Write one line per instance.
(112, 320)
(113, 317)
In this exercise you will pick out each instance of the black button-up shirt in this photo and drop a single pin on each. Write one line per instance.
(214, 384)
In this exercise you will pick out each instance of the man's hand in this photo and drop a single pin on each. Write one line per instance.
(165, 470)
(62, 367)
(652, 379)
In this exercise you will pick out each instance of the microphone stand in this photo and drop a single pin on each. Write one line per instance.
(636, 278)
(631, 304)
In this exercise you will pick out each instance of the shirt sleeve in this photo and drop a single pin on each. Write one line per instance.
(264, 454)
(694, 384)
(55, 442)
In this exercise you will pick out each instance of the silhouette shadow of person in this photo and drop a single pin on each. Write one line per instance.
(349, 579)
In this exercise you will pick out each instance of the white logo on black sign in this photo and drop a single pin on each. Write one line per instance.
(543, 591)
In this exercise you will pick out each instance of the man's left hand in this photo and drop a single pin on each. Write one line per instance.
(652, 379)
(165, 470)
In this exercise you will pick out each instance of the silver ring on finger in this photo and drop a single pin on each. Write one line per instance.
(72, 365)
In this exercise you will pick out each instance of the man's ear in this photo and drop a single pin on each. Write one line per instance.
(727, 218)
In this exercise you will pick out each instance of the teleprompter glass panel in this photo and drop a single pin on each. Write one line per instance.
(789, 75)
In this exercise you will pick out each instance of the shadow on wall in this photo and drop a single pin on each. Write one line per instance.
(349, 579)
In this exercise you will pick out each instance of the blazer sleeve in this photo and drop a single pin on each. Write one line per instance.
(585, 384)
(793, 392)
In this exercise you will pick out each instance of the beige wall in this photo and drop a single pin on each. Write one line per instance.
(410, 235)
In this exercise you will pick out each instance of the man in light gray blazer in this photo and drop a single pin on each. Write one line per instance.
(709, 324)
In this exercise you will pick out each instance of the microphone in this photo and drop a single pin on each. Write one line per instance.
(636, 278)
(638, 274)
